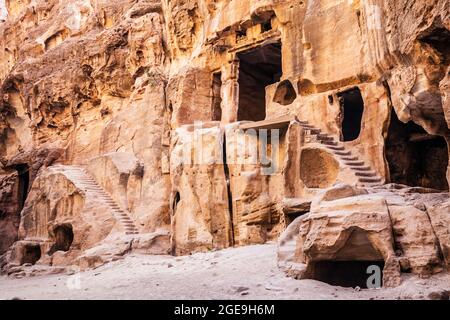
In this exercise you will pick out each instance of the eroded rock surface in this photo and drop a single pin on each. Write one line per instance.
(184, 126)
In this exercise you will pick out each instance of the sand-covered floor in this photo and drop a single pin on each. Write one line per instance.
(237, 273)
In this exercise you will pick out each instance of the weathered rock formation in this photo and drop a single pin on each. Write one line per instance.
(349, 229)
(187, 125)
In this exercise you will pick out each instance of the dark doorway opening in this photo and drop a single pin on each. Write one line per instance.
(439, 39)
(229, 193)
(24, 184)
(266, 26)
(291, 217)
(174, 207)
(216, 97)
(350, 266)
(258, 68)
(31, 254)
(415, 157)
(345, 273)
(176, 201)
(352, 109)
(63, 238)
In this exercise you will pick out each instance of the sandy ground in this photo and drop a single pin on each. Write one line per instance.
(238, 273)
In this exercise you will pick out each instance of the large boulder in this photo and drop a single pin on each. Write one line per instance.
(349, 229)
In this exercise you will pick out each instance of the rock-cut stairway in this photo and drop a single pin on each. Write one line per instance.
(83, 180)
(365, 174)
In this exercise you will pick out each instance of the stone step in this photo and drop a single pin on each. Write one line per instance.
(331, 144)
(350, 159)
(365, 174)
(103, 195)
(128, 223)
(343, 153)
(369, 185)
(307, 126)
(92, 188)
(360, 168)
(105, 199)
(370, 180)
(336, 148)
(324, 137)
(94, 192)
(97, 193)
(354, 163)
(313, 131)
(118, 214)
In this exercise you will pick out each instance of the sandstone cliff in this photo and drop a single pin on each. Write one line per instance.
(186, 125)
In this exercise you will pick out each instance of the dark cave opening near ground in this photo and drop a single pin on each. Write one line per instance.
(352, 265)
(63, 238)
(415, 157)
(345, 273)
(31, 254)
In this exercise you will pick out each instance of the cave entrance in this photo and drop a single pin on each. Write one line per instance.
(350, 266)
(352, 109)
(258, 68)
(415, 157)
(291, 217)
(439, 38)
(24, 183)
(349, 274)
(31, 254)
(63, 238)
(216, 97)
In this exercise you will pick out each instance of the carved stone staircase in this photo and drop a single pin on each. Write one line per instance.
(83, 180)
(365, 174)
